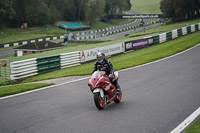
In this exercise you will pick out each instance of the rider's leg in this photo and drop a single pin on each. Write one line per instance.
(115, 83)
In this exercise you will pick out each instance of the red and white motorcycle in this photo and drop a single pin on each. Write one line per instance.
(102, 88)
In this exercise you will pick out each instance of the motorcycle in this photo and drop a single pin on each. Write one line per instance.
(102, 88)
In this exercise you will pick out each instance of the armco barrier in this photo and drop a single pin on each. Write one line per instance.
(199, 26)
(180, 33)
(162, 38)
(48, 64)
(70, 59)
(169, 35)
(156, 39)
(24, 68)
(174, 34)
(30, 67)
(196, 27)
(184, 30)
(29, 41)
(188, 29)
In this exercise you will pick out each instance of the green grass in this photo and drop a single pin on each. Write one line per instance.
(146, 6)
(8, 35)
(5, 81)
(164, 28)
(102, 25)
(194, 128)
(10, 90)
(129, 59)
(16, 34)
(77, 47)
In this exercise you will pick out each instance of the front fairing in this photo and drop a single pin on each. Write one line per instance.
(97, 80)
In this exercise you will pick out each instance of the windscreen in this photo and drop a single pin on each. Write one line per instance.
(97, 74)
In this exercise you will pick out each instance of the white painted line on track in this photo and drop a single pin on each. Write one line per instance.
(44, 88)
(160, 59)
(178, 129)
(186, 122)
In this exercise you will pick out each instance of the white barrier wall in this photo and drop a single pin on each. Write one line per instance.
(199, 26)
(87, 55)
(70, 59)
(192, 28)
(24, 68)
(174, 33)
(184, 30)
(162, 38)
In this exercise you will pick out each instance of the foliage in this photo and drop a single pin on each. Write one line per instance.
(14, 13)
(129, 59)
(93, 10)
(180, 10)
(194, 128)
(9, 90)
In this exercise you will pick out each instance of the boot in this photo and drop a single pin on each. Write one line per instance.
(115, 83)
(118, 88)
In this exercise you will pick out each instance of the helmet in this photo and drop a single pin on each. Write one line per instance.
(100, 57)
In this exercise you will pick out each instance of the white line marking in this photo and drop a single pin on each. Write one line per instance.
(44, 88)
(6, 97)
(160, 59)
(187, 122)
(178, 129)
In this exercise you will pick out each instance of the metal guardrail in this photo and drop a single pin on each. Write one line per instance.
(24, 68)
(35, 66)
(70, 59)
(30, 67)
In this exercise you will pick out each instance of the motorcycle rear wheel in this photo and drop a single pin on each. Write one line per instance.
(99, 102)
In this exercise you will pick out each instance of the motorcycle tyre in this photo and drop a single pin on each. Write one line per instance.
(97, 101)
(118, 98)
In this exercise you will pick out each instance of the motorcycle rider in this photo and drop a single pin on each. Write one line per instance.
(105, 65)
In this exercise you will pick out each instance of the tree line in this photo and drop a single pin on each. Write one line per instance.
(180, 10)
(14, 13)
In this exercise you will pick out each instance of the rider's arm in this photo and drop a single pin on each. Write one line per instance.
(112, 70)
(95, 67)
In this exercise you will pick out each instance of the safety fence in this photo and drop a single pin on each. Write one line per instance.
(152, 40)
(29, 41)
(5, 68)
(109, 31)
(82, 35)
(35, 66)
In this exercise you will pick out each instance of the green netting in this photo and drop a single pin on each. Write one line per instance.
(72, 26)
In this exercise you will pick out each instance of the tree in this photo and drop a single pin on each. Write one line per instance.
(180, 10)
(128, 6)
(114, 6)
(167, 8)
(36, 12)
(95, 9)
(6, 12)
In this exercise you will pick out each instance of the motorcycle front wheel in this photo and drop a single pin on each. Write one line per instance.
(99, 101)
(118, 98)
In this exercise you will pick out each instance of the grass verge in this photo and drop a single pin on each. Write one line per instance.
(14, 89)
(8, 35)
(146, 6)
(194, 128)
(129, 59)
(79, 47)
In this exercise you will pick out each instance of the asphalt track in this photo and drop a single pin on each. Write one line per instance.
(156, 99)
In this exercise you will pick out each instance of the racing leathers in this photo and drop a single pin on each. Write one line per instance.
(107, 66)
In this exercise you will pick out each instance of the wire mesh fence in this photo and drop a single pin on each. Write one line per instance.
(5, 68)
